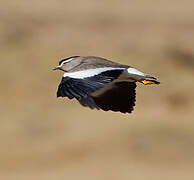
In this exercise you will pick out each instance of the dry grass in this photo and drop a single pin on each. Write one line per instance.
(42, 137)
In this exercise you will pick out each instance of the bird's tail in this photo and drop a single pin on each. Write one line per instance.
(141, 77)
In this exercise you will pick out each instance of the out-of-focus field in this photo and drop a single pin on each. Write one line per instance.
(42, 137)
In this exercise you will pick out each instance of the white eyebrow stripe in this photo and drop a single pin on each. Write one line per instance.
(68, 60)
(89, 72)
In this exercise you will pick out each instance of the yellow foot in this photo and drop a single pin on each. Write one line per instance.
(146, 82)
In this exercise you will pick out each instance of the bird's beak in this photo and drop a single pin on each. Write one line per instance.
(57, 68)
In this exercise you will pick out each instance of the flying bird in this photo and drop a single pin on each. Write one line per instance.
(99, 83)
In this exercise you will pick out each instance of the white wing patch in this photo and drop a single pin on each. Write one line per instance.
(89, 72)
(135, 71)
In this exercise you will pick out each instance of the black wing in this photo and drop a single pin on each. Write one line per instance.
(117, 96)
(81, 89)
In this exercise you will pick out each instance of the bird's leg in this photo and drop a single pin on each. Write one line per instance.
(147, 81)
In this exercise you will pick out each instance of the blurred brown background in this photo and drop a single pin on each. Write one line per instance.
(42, 137)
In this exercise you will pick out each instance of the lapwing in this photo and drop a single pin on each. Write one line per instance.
(99, 83)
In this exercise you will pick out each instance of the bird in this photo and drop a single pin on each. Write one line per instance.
(99, 83)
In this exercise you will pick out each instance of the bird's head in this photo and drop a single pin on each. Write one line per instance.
(68, 63)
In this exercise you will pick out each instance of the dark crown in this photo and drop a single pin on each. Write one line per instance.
(61, 61)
